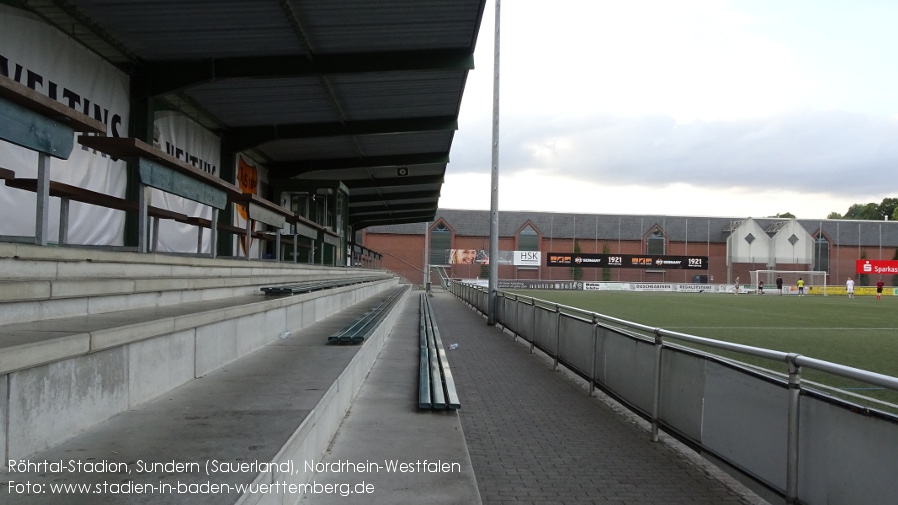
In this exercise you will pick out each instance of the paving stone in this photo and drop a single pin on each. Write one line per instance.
(536, 437)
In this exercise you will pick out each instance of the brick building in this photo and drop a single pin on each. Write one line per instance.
(734, 246)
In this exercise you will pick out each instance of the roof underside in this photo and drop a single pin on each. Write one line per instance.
(367, 93)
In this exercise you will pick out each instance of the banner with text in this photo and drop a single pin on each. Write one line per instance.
(531, 284)
(886, 267)
(626, 261)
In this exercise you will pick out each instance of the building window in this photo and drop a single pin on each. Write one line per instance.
(440, 243)
(655, 243)
(821, 254)
(528, 239)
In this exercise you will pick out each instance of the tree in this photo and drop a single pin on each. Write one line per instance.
(786, 215)
(887, 208)
(834, 215)
(868, 211)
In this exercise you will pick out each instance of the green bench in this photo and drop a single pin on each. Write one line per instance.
(309, 286)
(359, 330)
(436, 387)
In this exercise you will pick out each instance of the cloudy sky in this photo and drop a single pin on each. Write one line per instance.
(688, 107)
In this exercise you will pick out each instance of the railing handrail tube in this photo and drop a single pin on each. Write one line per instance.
(759, 352)
(837, 369)
(848, 372)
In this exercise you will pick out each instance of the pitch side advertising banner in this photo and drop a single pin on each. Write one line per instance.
(626, 261)
(527, 258)
(36, 55)
(887, 267)
(526, 284)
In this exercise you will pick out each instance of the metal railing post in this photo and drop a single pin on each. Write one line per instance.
(792, 440)
(532, 324)
(514, 329)
(557, 334)
(656, 394)
(595, 348)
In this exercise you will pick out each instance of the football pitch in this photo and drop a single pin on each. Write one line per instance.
(858, 332)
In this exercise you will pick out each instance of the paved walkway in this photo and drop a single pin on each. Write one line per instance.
(525, 434)
(534, 436)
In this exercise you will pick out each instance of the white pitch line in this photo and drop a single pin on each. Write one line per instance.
(791, 328)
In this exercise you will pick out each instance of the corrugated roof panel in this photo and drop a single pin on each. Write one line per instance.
(309, 149)
(399, 143)
(187, 29)
(339, 26)
(393, 95)
(267, 101)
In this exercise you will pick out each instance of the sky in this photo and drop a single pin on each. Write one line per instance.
(742, 108)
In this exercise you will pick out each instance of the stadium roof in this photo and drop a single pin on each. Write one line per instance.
(364, 92)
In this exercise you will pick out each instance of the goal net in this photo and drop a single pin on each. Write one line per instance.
(814, 281)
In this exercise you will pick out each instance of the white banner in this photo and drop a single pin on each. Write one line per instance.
(186, 140)
(46, 60)
(652, 286)
(527, 258)
(603, 286)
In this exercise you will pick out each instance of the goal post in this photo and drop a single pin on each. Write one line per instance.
(814, 280)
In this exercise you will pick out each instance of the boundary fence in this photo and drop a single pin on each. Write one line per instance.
(800, 444)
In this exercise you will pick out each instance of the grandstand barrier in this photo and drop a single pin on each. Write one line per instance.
(793, 442)
(45, 126)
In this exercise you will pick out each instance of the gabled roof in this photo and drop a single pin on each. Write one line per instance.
(364, 92)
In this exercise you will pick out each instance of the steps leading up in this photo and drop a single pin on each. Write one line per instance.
(281, 404)
(83, 341)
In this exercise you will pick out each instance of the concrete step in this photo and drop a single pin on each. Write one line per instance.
(89, 367)
(257, 420)
(49, 283)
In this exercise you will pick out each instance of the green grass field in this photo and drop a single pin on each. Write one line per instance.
(859, 332)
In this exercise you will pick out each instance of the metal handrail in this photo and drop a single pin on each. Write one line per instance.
(794, 361)
(844, 371)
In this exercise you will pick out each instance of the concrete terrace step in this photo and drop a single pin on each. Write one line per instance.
(281, 404)
(48, 283)
(85, 369)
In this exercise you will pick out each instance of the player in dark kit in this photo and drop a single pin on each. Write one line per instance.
(779, 285)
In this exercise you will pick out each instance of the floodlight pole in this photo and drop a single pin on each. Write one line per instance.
(494, 196)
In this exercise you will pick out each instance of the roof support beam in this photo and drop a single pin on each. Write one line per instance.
(247, 137)
(159, 78)
(364, 221)
(386, 208)
(287, 169)
(391, 196)
(306, 184)
(388, 182)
